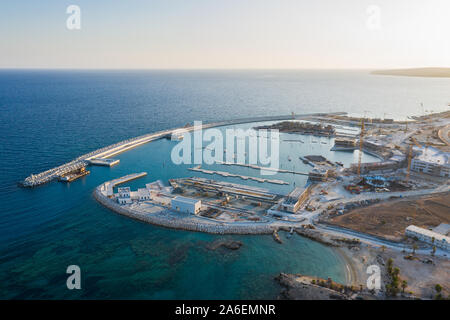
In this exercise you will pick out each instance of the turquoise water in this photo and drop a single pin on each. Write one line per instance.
(48, 118)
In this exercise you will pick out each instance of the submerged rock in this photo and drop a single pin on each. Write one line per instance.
(228, 244)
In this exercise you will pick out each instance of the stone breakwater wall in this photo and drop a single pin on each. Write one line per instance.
(114, 149)
(181, 224)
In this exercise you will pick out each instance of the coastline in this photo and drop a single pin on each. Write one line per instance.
(350, 267)
(430, 72)
(353, 269)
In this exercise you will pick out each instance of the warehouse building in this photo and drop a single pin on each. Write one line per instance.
(428, 236)
(187, 205)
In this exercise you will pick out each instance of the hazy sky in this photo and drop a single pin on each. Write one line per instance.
(226, 34)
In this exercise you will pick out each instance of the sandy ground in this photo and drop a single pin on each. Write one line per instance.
(358, 259)
(390, 219)
(421, 277)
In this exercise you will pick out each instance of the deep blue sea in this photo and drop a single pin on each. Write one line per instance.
(50, 117)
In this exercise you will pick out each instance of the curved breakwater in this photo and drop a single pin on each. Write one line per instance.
(182, 224)
(109, 151)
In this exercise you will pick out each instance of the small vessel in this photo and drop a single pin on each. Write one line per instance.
(289, 158)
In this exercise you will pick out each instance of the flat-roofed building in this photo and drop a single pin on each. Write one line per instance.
(141, 194)
(187, 205)
(318, 174)
(124, 195)
(431, 161)
(374, 144)
(295, 199)
(428, 236)
(344, 144)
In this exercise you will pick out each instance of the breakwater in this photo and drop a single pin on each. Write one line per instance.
(165, 218)
(114, 149)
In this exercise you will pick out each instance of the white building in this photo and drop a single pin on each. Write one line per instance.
(155, 191)
(431, 161)
(428, 236)
(141, 194)
(187, 205)
(124, 195)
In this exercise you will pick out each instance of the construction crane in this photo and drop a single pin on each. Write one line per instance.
(361, 141)
(415, 142)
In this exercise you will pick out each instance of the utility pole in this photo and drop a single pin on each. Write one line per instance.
(360, 146)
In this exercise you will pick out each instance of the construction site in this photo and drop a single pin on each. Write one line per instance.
(411, 177)
(412, 169)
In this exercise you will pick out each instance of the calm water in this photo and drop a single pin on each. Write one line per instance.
(50, 117)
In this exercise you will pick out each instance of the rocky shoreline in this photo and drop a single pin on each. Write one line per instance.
(355, 255)
(302, 287)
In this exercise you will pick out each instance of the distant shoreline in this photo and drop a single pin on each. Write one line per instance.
(415, 72)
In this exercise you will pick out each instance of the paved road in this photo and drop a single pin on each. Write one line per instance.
(365, 238)
(374, 241)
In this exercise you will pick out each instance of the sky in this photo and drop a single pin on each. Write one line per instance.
(226, 34)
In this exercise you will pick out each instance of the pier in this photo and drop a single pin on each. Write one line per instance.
(229, 174)
(107, 188)
(253, 166)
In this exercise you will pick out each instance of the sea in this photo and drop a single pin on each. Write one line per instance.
(49, 117)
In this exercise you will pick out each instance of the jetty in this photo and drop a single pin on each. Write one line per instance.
(254, 166)
(107, 188)
(229, 174)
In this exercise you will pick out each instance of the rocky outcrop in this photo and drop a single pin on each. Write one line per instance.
(228, 244)
(299, 287)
